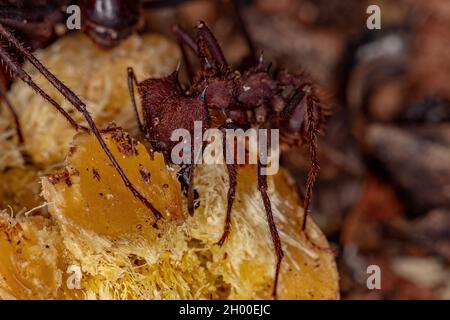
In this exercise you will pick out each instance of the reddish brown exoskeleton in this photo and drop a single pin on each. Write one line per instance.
(254, 98)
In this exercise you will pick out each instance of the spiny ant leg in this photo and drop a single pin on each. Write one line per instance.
(312, 175)
(210, 42)
(73, 99)
(313, 171)
(262, 186)
(131, 82)
(5, 99)
(304, 94)
(232, 180)
(311, 132)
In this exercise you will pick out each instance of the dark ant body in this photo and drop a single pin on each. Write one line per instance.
(108, 22)
(254, 98)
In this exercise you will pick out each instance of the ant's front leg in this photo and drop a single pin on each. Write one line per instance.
(262, 187)
(207, 43)
(206, 48)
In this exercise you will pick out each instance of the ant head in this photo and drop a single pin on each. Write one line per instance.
(256, 88)
(108, 22)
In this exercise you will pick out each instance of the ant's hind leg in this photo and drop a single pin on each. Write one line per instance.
(207, 39)
(72, 98)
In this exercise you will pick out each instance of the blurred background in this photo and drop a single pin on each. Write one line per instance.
(383, 193)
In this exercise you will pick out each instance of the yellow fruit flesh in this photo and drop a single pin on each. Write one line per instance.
(306, 272)
(10, 155)
(94, 184)
(122, 256)
(31, 263)
(20, 189)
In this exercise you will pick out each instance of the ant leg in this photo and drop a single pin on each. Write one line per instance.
(232, 180)
(292, 104)
(131, 82)
(311, 137)
(232, 177)
(186, 180)
(17, 70)
(314, 169)
(309, 102)
(5, 99)
(190, 190)
(183, 38)
(73, 99)
(207, 39)
(262, 186)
